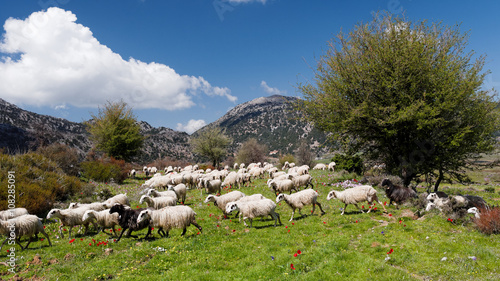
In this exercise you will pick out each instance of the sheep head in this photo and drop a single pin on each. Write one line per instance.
(53, 213)
(143, 215)
(280, 197)
(231, 206)
(210, 198)
(386, 182)
(332, 194)
(117, 208)
(432, 196)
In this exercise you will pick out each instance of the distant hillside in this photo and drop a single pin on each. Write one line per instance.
(22, 130)
(273, 122)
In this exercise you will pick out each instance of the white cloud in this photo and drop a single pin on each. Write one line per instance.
(48, 59)
(269, 90)
(192, 126)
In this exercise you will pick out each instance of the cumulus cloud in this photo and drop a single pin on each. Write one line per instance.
(269, 90)
(192, 126)
(48, 59)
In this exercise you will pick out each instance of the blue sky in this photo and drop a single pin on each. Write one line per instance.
(184, 63)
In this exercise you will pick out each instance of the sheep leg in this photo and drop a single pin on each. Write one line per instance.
(184, 231)
(60, 231)
(121, 234)
(359, 208)
(345, 207)
(4, 243)
(197, 225)
(376, 199)
(237, 214)
(319, 205)
(293, 212)
(276, 215)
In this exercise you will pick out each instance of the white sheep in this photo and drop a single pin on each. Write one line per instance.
(103, 218)
(169, 193)
(96, 206)
(436, 201)
(25, 225)
(300, 199)
(331, 166)
(180, 191)
(158, 202)
(252, 209)
(117, 199)
(170, 217)
(12, 213)
(280, 186)
(212, 186)
(302, 180)
(253, 197)
(474, 211)
(221, 201)
(356, 195)
(320, 166)
(132, 173)
(70, 218)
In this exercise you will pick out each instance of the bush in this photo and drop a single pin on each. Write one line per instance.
(39, 182)
(286, 158)
(251, 151)
(65, 157)
(489, 221)
(105, 169)
(351, 163)
(304, 155)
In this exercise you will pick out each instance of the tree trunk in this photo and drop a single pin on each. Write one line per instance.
(438, 181)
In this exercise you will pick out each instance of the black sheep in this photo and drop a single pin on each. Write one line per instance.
(128, 220)
(397, 193)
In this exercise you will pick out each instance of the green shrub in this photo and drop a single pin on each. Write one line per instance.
(65, 157)
(351, 163)
(39, 182)
(286, 158)
(104, 170)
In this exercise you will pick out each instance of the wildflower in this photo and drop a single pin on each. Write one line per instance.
(72, 240)
(234, 230)
(272, 258)
(390, 251)
(291, 266)
(299, 252)
(295, 255)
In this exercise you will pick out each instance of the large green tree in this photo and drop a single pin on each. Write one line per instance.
(211, 143)
(115, 131)
(408, 94)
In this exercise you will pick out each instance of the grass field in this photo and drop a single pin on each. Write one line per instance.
(376, 246)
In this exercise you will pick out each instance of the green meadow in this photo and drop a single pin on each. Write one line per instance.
(397, 245)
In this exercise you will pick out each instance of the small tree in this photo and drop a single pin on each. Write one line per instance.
(407, 95)
(251, 151)
(115, 131)
(304, 155)
(211, 143)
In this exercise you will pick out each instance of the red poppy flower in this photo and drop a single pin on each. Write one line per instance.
(90, 244)
(299, 252)
(295, 255)
(291, 266)
(81, 239)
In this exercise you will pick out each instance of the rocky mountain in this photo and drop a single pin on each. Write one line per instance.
(273, 122)
(22, 130)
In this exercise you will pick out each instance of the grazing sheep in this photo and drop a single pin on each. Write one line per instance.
(12, 213)
(231, 180)
(438, 201)
(117, 199)
(103, 218)
(356, 195)
(302, 180)
(127, 218)
(24, 225)
(331, 166)
(253, 209)
(212, 186)
(280, 186)
(474, 211)
(396, 193)
(320, 166)
(180, 191)
(300, 199)
(221, 201)
(168, 218)
(96, 206)
(154, 193)
(468, 201)
(302, 170)
(158, 202)
(70, 218)
(132, 174)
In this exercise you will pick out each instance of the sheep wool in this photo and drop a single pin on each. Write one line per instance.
(103, 218)
(70, 218)
(158, 202)
(170, 217)
(25, 225)
(355, 195)
(117, 199)
(221, 201)
(300, 199)
(12, 213)
(252, 209)
(180, 191)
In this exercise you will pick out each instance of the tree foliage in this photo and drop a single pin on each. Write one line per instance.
(407, 94)
(115, 131)
(251, 151)
(304, 155)
(211, 143)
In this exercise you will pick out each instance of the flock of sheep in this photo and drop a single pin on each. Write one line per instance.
(164, 213)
